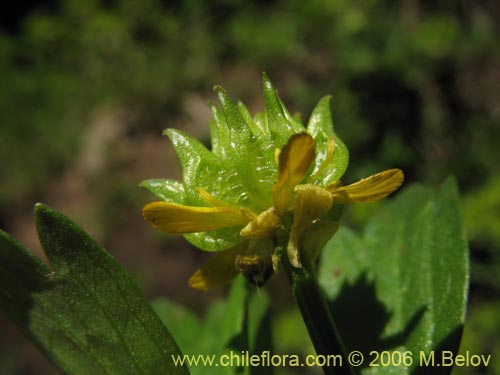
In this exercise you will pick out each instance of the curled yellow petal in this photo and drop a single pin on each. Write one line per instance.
(311, 203)
(294, 161)
(369, 189)
(261, 226)
(175, 218)
(218, 271)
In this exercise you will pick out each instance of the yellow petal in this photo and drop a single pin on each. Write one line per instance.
(277, 153)
(294, 161)
(314, 239)
(262, 226)
(218, 271)
(369, 189)
(175, 218)
(311, 203)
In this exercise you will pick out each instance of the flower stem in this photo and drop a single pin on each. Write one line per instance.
(316, 315)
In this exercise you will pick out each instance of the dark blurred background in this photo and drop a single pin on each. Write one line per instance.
(87, 86)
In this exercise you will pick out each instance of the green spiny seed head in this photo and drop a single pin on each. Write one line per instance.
(263, 179)
(241, 167)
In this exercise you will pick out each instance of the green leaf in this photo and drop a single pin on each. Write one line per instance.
(199, 165)
(259, 324)
(239, 132)
(320, 126)
(403, 285)
(219, 132)
(239, 323)
(278, 120)
(201, 168)
(185, 327)
(246, 151)
(85, 313)
(165, 189)
(245, 113)
(218, 334)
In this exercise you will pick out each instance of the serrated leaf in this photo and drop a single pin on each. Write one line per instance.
(402, 285)
(85, 313)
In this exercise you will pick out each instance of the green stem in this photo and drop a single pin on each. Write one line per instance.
(316, 315)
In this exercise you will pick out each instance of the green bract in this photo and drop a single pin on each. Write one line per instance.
(241, 168)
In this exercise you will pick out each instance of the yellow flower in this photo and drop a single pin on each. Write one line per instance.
(301, 203)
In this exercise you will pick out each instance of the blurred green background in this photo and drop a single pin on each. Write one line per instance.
(87, 86)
